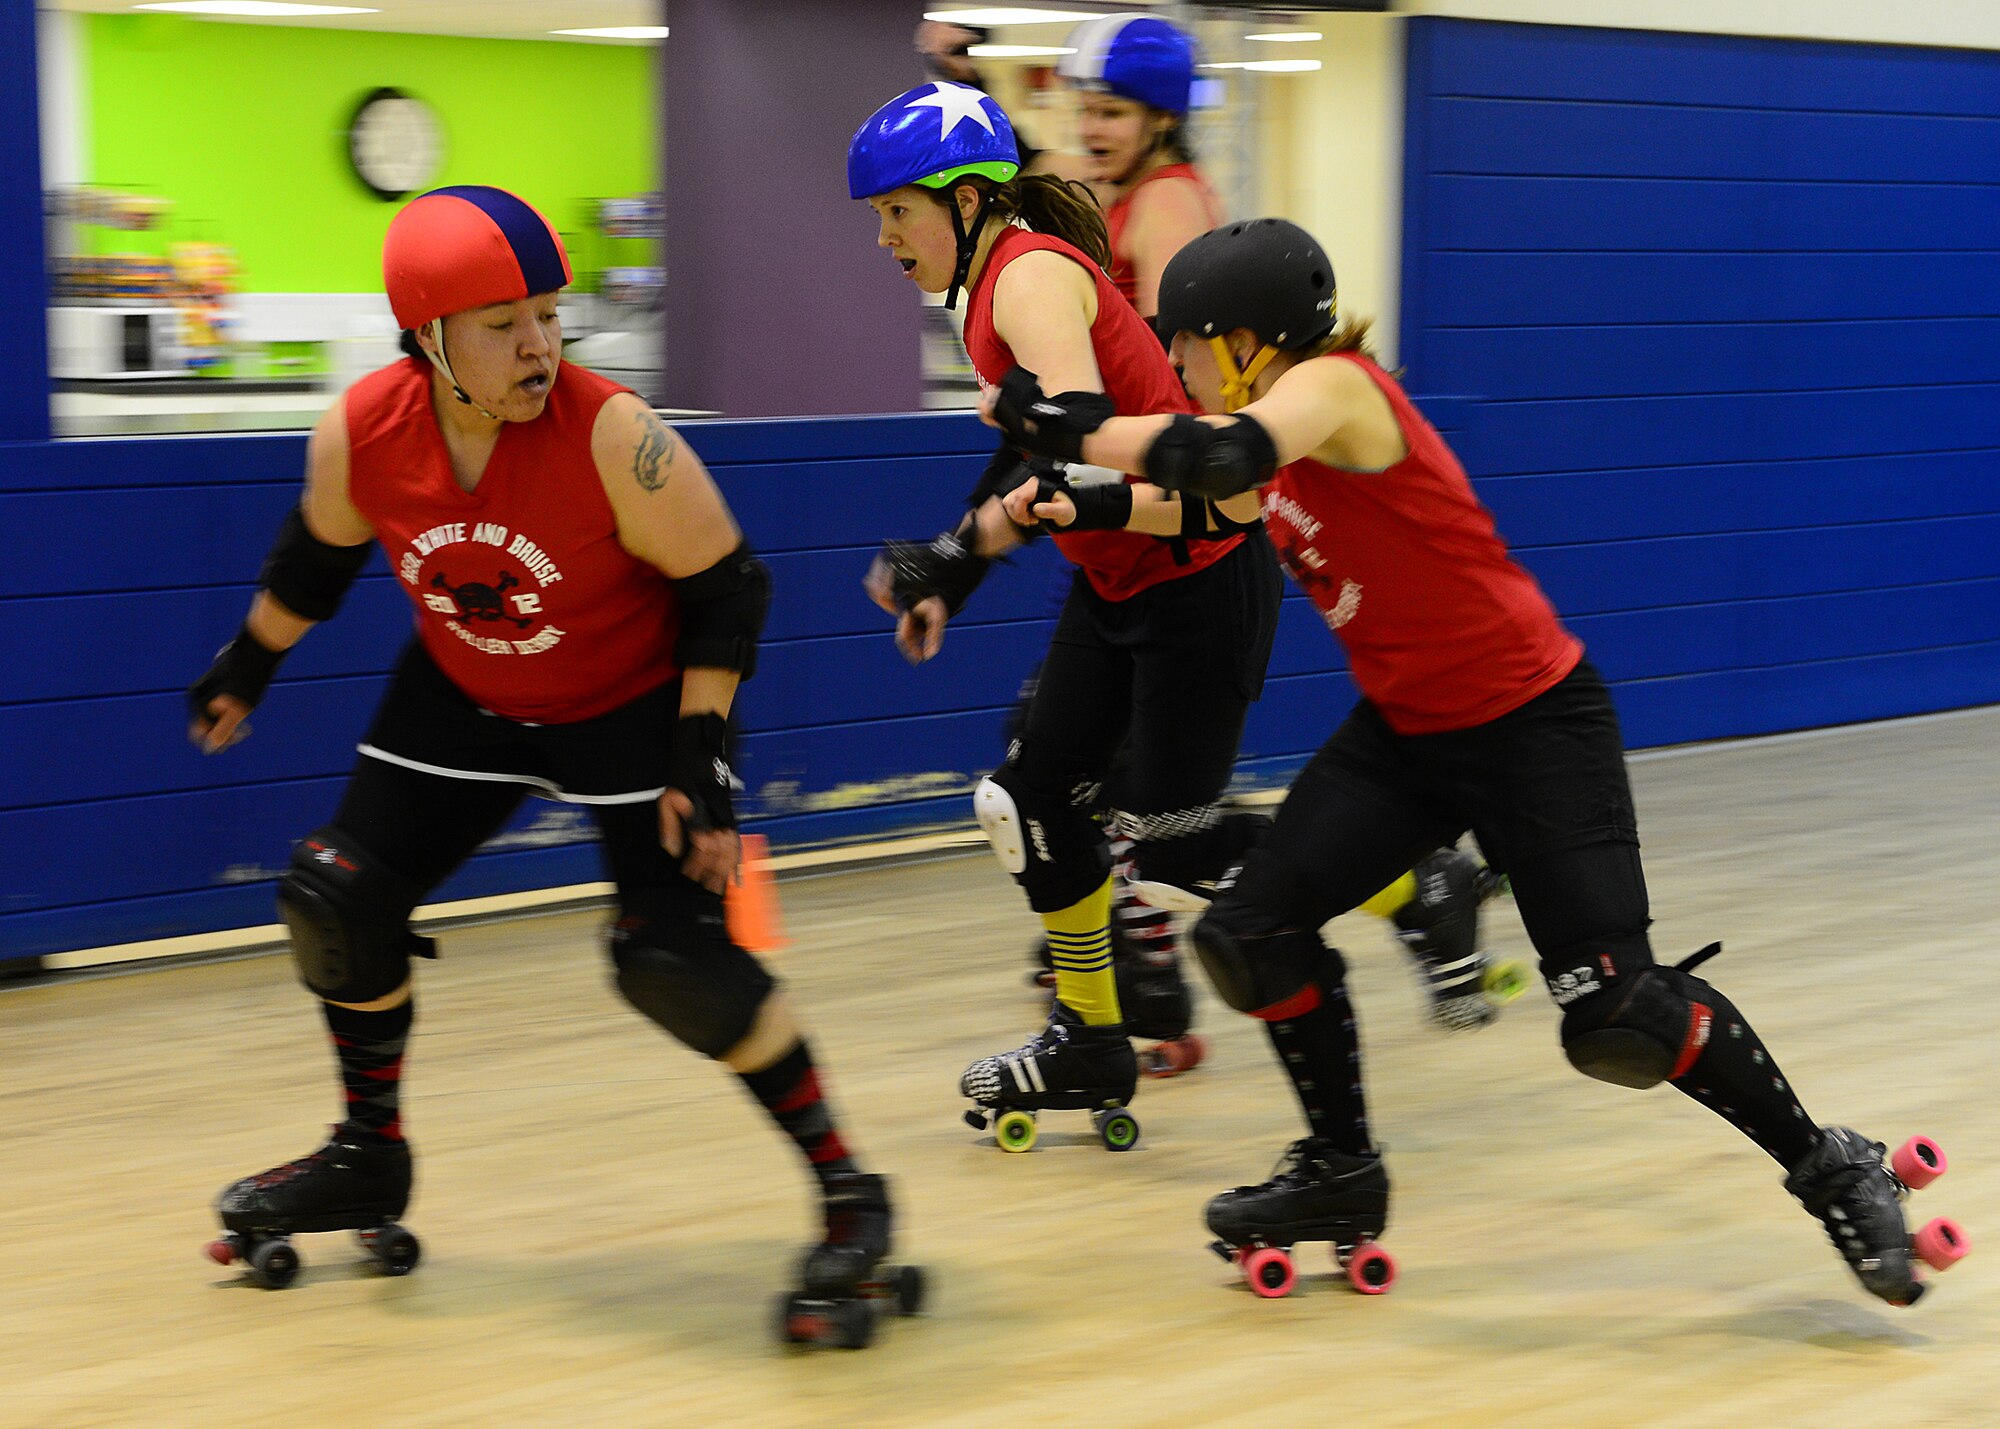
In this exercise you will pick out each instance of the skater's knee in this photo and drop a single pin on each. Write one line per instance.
(1046, 839)
(1266, 971)
(690, 979)
(349, 920)
(1645, 1025)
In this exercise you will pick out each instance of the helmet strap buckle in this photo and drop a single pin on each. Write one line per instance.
(1236, 381)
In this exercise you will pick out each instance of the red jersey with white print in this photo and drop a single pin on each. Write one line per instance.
(1139, 381)
(1116, 218)
(1443, 629)
(523, 596)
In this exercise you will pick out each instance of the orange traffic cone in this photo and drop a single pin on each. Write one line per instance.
(750, 903)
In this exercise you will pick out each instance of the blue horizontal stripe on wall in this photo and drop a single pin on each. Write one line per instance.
(1714, 320)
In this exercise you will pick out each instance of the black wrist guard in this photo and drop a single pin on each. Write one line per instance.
(943, 566)
(722, 611)
(1048, 426)
(305, 574)
(1100, 505)
(699, 768)
(243, 668)
(1217, 462)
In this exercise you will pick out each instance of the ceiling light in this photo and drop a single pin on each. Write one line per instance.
(1014, 52)
(270, 9)
(1286, 37)
(620, 32)
(1009, 15)
(1269, 66)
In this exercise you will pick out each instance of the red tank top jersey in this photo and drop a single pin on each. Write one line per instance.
(1443, 629)
(523, 595)
(1123, 275)
(1139, 381)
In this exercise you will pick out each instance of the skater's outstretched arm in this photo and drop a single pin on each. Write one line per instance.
(318, 552)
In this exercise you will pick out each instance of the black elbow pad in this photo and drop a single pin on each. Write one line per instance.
(722, 613)
(1196, 458)
(306, 575)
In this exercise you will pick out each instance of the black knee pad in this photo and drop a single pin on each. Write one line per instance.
(1046, 836)
(688, 977)
(1641, 1030)
(1256, 967)
(349, 919)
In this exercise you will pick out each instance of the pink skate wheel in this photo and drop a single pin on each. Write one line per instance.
(1269, 1272)
(221, 1252)
(1918, 1162)
(1371, 1269)
(1941, 1244)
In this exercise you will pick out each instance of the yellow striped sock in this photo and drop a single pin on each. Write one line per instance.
(1390, 901)
(1080, 947)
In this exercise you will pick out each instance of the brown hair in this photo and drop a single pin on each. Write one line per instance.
(1350, 336)
(1060, 208)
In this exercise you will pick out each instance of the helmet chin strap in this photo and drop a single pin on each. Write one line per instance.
(1236, 381)
(438, 360)
(968, 244)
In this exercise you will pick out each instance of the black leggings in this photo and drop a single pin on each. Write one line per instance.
(1168, 675)
(1543, 788)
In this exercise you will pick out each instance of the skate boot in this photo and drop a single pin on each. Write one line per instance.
(1315, 1193)
(348, 1184)
(1439, 928)
(1154, 994)
(1065, 1066)
(1842, 1181)
(843, 1285)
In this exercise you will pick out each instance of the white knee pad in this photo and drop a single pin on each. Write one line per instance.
(1001, 822)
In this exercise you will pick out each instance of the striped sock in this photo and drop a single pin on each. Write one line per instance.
(789, 1089)
(370, 1048)
(1080, 947)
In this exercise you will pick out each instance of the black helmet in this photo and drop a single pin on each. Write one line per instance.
(1264, 274)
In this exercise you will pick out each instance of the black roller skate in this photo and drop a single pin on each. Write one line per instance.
(1843, 1181)
(843, 1285)
(1315, 1193)
(1439, 928)
(345, 1185)
(1066, 1066)
(1153, 993)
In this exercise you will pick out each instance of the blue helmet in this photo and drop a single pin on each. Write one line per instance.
(1136, 56)
(931, 135)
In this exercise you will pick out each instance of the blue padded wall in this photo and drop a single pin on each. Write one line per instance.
(143, 556)
(1716, 324)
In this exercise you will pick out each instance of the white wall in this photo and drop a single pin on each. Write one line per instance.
(1963, 24)
(1332, 142)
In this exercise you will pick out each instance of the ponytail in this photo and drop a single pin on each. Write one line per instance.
(1061, 208)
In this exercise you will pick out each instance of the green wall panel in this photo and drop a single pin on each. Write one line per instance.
(243, 127)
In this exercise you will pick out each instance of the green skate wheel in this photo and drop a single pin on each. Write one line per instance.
(1505, 981)
(1118, 1130)
(1015, 1130)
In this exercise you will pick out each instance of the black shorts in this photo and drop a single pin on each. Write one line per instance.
(426, 723)
(1546, 779)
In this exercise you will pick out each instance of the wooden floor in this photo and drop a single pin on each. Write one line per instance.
(606, 1217)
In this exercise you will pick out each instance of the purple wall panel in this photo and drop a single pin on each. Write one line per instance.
(778, 303)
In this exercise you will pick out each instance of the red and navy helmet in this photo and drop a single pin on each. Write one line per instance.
(465, 247)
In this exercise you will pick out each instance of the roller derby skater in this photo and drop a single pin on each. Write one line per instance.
(1162, 641)
(1479, 711)
(612, 690)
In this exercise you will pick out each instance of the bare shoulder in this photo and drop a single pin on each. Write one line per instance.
(1171, 200)
(632, 445)
(1039, 267)
(330, 511)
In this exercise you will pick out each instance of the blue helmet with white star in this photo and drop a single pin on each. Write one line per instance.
(931, 135)
(1135, 56)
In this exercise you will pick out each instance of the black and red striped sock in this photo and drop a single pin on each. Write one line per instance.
(370, 1048)
(789, 1089)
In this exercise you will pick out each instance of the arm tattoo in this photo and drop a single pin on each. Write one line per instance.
(655, 453)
